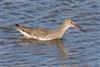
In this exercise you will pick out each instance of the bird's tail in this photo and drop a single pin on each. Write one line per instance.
(17, 25)
(20, 27)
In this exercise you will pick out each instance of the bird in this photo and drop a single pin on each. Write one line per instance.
(47, 34)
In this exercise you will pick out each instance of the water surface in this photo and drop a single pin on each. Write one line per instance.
(75, 49)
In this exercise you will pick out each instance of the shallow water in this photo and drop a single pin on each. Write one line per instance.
(75, 49)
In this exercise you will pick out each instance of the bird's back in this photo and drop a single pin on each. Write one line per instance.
(34, 32)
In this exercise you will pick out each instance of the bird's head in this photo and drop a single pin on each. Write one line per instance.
(69, 22)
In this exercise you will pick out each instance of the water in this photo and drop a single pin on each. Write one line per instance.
(75, 49)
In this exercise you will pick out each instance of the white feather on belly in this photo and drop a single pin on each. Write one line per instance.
(29, 36)
(44, 39)
(24, 33)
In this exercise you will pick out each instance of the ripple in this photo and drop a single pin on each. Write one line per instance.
(82, 48)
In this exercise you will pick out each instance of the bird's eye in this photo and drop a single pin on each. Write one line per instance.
(72, 23)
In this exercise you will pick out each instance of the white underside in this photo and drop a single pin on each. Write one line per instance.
(28, 36)
(24, 33)
(44, 39)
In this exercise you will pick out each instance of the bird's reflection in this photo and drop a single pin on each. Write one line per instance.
(59, 43)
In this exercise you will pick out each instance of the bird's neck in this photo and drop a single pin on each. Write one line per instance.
(62, 29)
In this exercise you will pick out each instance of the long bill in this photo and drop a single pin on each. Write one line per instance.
(77, 26)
